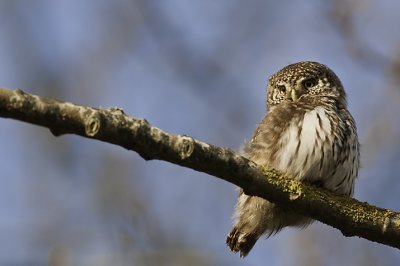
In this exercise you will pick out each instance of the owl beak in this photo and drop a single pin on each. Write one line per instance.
(294, 95)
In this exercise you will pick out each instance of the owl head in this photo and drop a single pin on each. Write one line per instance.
(304, 82)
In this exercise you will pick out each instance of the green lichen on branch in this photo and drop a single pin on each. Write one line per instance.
(343, 212)
(292, 187)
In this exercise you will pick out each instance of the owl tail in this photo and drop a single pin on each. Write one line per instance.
(238, 241)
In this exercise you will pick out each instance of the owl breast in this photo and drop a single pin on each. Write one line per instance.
(313, 148)
(306, 145)
(318, 145)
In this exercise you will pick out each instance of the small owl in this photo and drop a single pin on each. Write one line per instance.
(309, 134)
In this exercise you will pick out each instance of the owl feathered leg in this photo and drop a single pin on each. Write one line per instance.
(256, 217)
(253, 219)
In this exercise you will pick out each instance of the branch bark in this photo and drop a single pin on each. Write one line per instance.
(351, 217)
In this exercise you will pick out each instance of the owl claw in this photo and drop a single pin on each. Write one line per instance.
(240, 242)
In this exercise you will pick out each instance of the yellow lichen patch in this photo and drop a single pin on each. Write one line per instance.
(362, 212)
(289, 185)
(357, 215)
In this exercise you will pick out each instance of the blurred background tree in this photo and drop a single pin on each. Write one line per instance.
(189, 67)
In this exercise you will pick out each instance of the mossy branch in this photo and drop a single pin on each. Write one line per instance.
(351, 217)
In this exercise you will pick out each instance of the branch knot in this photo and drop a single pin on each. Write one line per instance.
(92, 124)
(186, 147)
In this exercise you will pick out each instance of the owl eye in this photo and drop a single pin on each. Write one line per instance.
(309, 83)
(282, 89)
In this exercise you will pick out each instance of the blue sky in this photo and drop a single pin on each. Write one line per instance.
(189, 67)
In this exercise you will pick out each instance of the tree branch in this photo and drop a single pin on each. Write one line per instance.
(351, 217)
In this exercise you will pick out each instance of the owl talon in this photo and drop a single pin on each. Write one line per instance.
(239, 242)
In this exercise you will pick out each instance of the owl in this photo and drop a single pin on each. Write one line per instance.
(309, 134)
